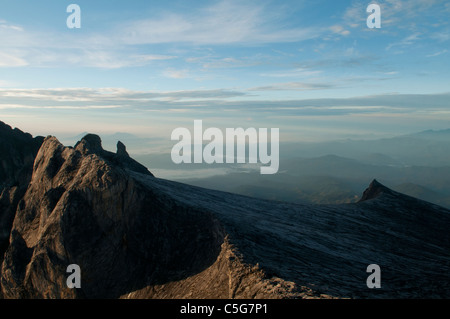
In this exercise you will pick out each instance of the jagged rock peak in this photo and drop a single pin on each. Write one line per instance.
(122, 149)
(374, 190)
(90, 144)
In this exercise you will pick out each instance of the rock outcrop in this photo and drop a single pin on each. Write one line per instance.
(374, 190)
(17, 153)
(83, 207)
(137, 236)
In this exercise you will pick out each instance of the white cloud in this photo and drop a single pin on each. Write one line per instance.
(298, 72)
(293, 86)
(338, 29)
(58, 107)
(11, 60)
(222, 23)
(409, 40)
(213, 62)
(105, 96)
(176, 74)
(225, 22)
(4, 25)
(155, 57)
(437, 53)
(441, 36)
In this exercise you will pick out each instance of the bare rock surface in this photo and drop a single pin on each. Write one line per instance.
(137, 236)
(17, 153)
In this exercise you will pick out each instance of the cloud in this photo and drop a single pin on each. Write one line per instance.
(297, 72)
(226, 22)
(293, 86)
(340, 59)
(407, 41)
(11, 60)
(441, 36)
(4, 25)
(221, 102)
(155, 57)
(176, 74)
(338, 29)
(107, 97)
(229, 62)
(58, 107)
(214, 24)
(220, 23)
(437, 53)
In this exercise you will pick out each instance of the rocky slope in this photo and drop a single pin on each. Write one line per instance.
(136, 236)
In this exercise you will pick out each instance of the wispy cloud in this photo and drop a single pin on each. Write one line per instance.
(339, 29)
(176, 74)
(106, 97)
(407, 41)
(225, 22)
(11, 60)
(437, 53)
(297, 72)
(220, 23)
(217, 101)
(293, 86)
(4, 25)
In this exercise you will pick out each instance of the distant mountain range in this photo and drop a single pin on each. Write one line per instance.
(332, 179)
(134, 235)
(416, 164)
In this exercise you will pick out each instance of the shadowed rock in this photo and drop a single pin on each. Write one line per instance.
(17, 153)
(374, 190)
(122, 150)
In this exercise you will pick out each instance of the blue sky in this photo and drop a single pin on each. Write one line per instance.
(311, 68)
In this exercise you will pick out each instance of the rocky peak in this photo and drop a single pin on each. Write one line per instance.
(17, 152)
(92, 144)
(374, 190)
(121, 149)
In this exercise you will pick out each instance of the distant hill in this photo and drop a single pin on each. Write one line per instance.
(331, 179)
(438, 135)
(428, 148)
(424, 193)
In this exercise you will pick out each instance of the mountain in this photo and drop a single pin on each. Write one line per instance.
(428, 148)
(331, 179)
(439, 135)
(425, 193)
(134, 143)
(286, 187)
(134, 235)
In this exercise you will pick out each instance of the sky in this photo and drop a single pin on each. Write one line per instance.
(313, 69)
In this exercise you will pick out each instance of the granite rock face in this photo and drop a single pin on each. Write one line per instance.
(83, 207)
(17, 153)
(137, 236)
